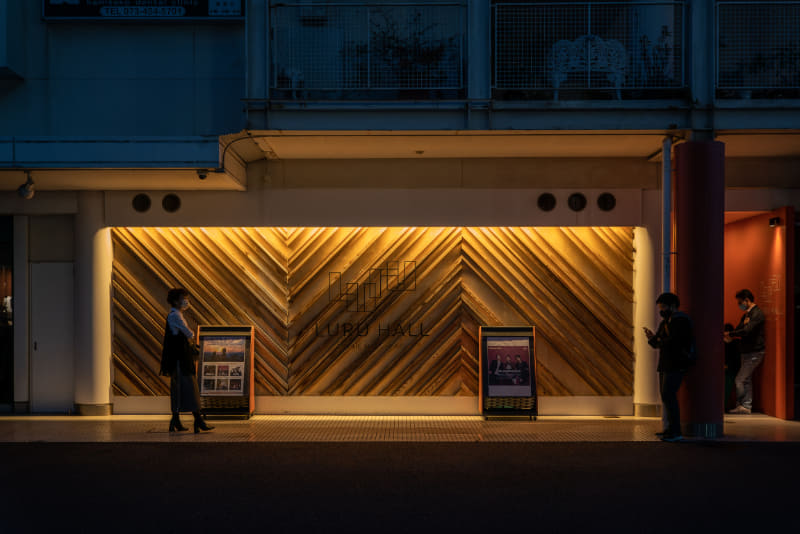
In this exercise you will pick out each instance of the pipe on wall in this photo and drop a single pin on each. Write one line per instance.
(666, 213)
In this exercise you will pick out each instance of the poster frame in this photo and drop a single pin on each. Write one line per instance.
(228, 405)
(493, 405)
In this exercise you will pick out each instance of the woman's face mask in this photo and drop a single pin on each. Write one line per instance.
(665, 313)
(744, 305)
(185, 304)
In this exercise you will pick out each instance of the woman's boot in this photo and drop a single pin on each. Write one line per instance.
(199, 424)
(175, 423)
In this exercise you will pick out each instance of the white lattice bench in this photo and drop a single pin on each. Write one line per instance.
(588, 54)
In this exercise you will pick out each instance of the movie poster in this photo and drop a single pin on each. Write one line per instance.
(508, 367)
(223, 365)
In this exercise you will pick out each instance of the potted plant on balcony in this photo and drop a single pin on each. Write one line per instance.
(654, 62)
(408, 58)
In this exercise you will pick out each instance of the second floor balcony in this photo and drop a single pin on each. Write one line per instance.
(588, 50)
(758, 50)
(374, 51)
(552, 51)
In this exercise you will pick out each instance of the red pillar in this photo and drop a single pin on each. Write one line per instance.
(699, 219)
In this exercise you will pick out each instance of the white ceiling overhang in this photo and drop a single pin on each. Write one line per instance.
(74, 164)
(179, 165)
(277, 145)
(452, 144)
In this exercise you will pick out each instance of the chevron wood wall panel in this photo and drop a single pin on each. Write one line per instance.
(382, 311)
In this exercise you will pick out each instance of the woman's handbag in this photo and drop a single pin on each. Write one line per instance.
(190, 349)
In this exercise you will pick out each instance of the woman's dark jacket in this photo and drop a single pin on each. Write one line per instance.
(177, 348)
(675, 341)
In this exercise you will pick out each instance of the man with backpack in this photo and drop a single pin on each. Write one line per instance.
(675, 340)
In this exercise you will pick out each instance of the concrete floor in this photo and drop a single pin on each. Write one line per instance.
(300, 474)
(287, 428)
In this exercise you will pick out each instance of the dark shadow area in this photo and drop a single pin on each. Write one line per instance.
(398, 487)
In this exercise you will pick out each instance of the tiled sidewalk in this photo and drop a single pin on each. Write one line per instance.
(286, 428)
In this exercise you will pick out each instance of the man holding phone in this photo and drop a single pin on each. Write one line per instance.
(674, 340)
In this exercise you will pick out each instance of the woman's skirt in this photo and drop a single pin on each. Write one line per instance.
(183, 392)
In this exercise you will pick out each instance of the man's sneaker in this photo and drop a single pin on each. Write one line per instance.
(659, 434)
(671, 437)
(740, 410)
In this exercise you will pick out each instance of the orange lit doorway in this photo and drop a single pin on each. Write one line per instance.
(760, 256)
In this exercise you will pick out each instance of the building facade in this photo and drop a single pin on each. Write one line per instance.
(367, 183)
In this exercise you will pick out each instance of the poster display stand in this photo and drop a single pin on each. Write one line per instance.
(225, 371)
(507, 374)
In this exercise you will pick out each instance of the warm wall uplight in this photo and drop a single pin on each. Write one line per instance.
(775, 221)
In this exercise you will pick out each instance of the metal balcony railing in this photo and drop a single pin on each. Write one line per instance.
(758, 49)
(588, 49)
(367, 50)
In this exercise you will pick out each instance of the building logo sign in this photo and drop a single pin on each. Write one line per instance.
(396, 277)
(366, 296)
(143, 9)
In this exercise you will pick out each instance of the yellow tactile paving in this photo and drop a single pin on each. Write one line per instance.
(302, 428)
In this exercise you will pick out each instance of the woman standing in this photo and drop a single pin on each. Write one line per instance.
(178, 362)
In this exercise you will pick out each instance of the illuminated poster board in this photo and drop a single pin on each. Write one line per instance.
(508, 371)
(225, 369)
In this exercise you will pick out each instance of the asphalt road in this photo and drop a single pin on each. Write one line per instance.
(400, 487)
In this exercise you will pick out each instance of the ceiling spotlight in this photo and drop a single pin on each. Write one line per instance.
(28, 189)
(775, 221)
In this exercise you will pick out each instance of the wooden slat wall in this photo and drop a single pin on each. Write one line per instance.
(574, 284)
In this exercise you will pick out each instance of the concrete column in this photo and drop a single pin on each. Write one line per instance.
(257, 60)
(646, 398)
(479, 74)
(702, 47)
(93, 257)
(699, 214)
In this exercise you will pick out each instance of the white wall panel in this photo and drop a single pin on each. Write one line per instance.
(52, 337)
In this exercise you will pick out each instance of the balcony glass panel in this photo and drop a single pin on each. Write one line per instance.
(367, 51)
(588, 50)
(758, 50)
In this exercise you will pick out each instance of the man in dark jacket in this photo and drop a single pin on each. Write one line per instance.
(752, 344)
(675, 341)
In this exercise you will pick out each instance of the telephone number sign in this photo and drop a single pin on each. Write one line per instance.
(143, 9)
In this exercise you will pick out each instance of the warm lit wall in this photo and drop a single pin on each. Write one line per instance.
(759, 258)
(419, 337)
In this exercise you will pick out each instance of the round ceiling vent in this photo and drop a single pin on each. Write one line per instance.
(546, 202)
(577, 202)
(141, 202)
(171, 203)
